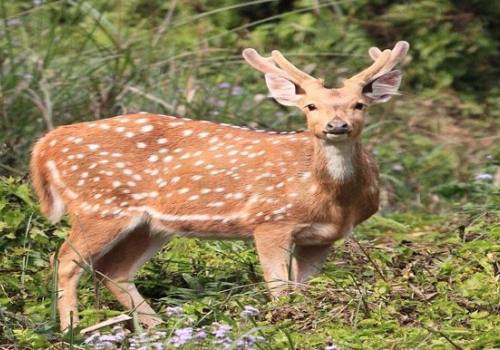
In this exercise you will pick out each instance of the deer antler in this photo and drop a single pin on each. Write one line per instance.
(366, 75)
(384, 62)
(398, 53)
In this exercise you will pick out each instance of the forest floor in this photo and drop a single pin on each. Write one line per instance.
(403, 281)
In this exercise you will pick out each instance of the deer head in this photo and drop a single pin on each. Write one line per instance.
(333, 115)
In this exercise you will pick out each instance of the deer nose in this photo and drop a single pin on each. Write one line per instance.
(337, 126)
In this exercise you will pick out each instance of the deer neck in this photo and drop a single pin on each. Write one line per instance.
(337, 163)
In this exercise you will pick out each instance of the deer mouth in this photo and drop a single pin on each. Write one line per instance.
(335, 137)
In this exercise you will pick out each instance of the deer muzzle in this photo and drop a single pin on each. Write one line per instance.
(337, 126)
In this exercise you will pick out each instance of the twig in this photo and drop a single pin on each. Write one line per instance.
(108, 322)
(12, 170)
(151, 97)
(361, 295)
(377, 268)
(436, 331)
(166, 22)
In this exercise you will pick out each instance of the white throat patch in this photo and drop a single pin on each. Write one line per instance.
(339, 161)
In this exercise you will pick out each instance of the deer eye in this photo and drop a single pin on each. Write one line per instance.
(311, 107)
(359, 106)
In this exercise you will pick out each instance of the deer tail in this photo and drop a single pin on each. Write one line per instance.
(51, 203)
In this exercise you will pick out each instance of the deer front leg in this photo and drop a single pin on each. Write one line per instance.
(308, 260)
(274, 246)
(68, 274)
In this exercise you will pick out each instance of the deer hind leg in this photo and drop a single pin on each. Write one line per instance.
(307, 261)
(75, 253)
(274, 247)
(117, 269)
(87, 240)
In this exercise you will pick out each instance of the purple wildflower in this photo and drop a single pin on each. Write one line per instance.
(224, 85)
(160, 335)
(94, 337)
(174, 311)
(105, 345)
(237, 91)
(108, 338)
(222, 330)
(14, 22)
(249, 312)
(182, 336)
(200, 335)
(158, 346)
(247, 341)
(119, 331)
(484, 177)
(221, 335)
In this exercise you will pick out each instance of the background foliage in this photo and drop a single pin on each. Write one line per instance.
(435, 241)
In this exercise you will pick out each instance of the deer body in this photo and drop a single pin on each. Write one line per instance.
(131, 182)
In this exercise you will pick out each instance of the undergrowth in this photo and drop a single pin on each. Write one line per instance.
(411, 281)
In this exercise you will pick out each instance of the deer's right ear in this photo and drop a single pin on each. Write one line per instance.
(282, 90)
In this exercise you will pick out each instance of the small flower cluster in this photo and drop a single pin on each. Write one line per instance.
(222, 336)
(484, 177)
(174, 311)
(217, 335)
(248, 341)
(107, 341)
(185, 335)
(235, 90)
(148, 340)
(249, 312)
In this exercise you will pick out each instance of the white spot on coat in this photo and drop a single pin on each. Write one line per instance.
(153, 158)
(147, 128)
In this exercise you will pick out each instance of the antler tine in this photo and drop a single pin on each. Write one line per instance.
(296, 73)
(397, 54)
(374, 52)
(264, 64)
(368, 73)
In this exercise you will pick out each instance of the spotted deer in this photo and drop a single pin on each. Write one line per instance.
(132, 182)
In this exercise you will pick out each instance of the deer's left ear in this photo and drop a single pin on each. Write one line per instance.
(383, 88)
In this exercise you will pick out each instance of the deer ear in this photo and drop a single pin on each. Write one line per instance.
(383, 88)
(282, 90)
